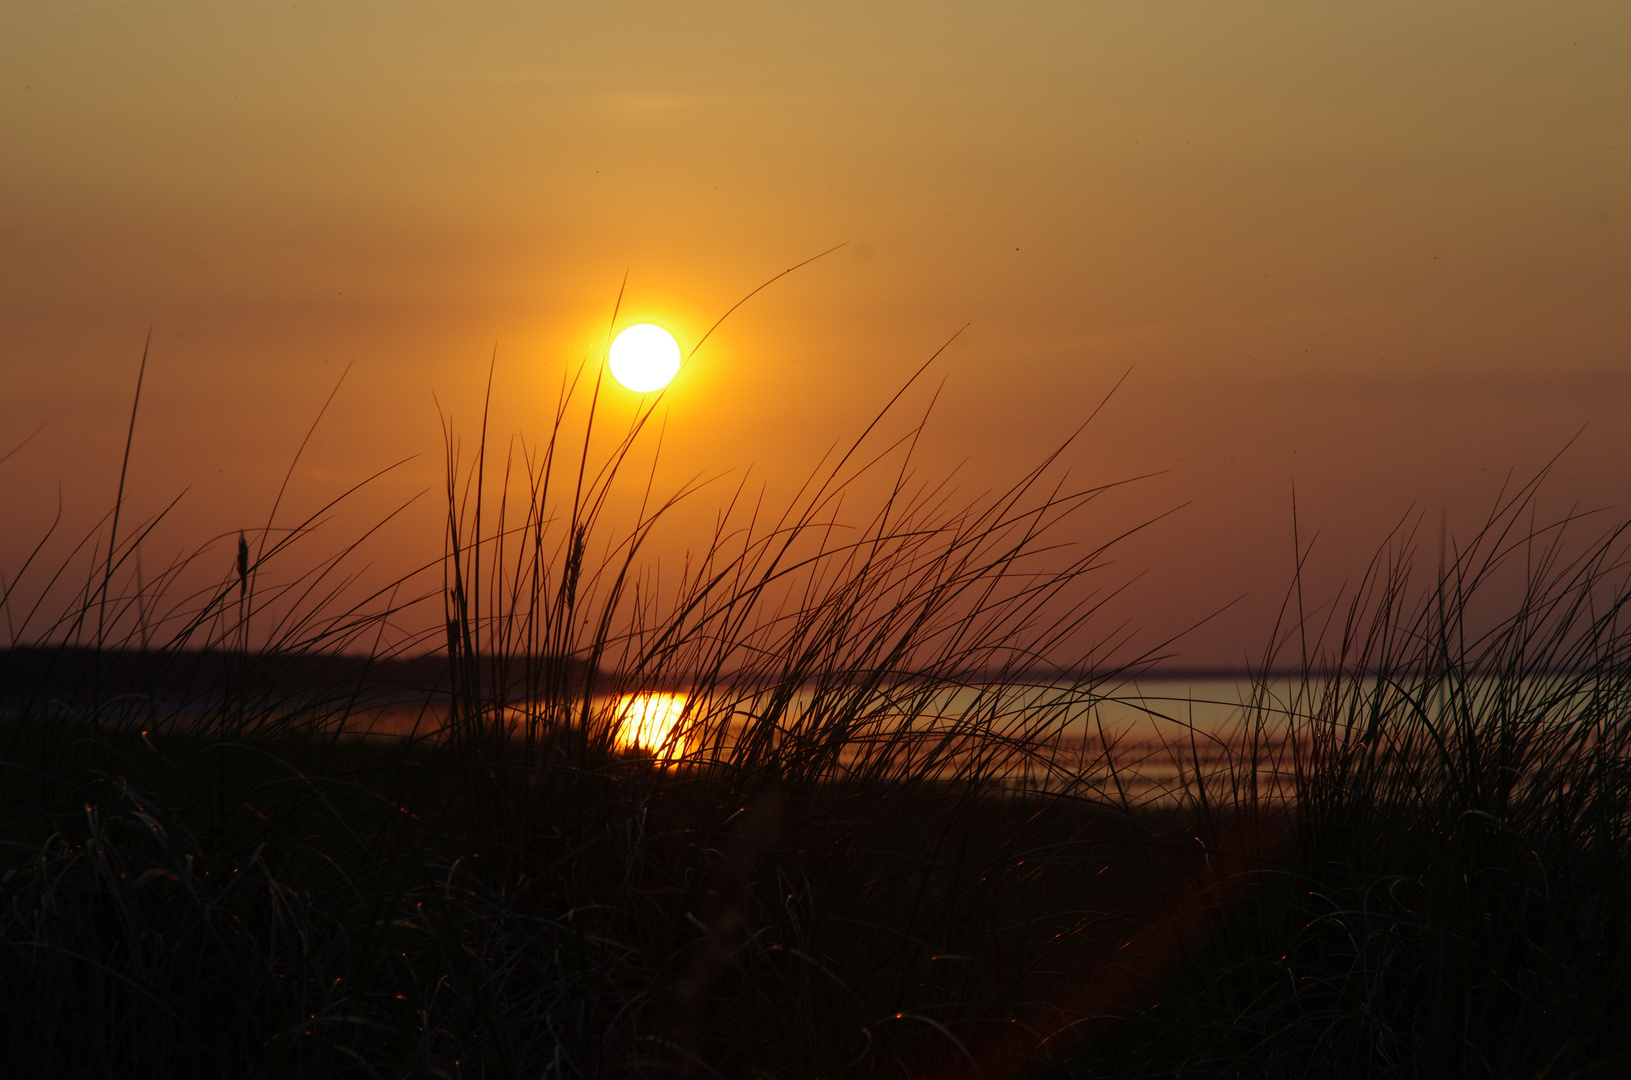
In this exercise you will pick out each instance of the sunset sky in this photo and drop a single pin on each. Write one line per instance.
(1378, 254)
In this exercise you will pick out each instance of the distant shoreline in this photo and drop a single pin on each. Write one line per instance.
(77, 673)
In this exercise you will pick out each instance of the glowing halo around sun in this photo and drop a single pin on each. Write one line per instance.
(644, 357)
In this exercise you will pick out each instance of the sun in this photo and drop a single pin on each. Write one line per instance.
(646, 721)
(644, 357)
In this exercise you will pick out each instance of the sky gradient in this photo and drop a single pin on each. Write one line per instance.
(1376, 254)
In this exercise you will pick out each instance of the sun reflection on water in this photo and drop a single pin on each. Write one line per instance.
(646, 721)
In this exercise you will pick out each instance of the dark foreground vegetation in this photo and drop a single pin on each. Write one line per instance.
(867, 850)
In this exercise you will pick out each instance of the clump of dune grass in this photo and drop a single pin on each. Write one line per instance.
(860, 851)
(1452, 895)
(874, 841)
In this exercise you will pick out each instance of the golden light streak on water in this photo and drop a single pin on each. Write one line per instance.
(646, 721)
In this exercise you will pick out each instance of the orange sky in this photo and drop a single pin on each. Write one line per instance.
(1376, 251)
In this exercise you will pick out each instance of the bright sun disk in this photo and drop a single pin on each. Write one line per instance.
(647, 720)
(644, 357)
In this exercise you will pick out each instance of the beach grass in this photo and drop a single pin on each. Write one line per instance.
(1450, 898)
(875, 840)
